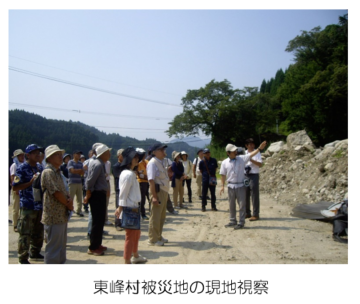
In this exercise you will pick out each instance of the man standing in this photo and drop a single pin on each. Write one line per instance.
(96, 191)
(30, 228)
(232, 169)
(208, 169)
(252, 172)
(18, 159)
(56, 204)
(159, 192)
(141, 175)
(75, 167)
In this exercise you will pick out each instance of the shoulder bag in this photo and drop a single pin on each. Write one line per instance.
(212, 179)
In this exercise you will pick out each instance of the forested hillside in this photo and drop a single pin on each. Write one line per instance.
(27, 128)
(311, 94)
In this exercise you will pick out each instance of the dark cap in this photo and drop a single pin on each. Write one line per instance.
(249, 140)
(206, 151)
(158, 146)
(33, 147)
(128, 154)
(201, 150)
(77, 152)
(66, 155)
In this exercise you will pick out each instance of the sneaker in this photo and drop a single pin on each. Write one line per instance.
(118, 228)
(200, 197)
(207, 197)
(158, 243)
(203, 209)
(238, 226)
(24, 262)
(86, 210)
(214, 209)
(105, 232)
(103, 248)
(177, 207)
(230, 225)
(174, 212)
(183, 207)
(36, 256)
(108, 223)
(164, 240)
(145, 218)
(10, 221)
(248, 216)
(138, 260)
(80, 214)
(95, 252)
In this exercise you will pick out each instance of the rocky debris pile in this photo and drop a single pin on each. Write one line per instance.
(296, 172)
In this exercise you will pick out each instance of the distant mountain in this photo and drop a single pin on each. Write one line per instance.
(193, 141)
(27, 128)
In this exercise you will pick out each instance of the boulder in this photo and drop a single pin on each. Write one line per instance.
(332, 144)
(298, 139)
(275, 147)
(324, 154)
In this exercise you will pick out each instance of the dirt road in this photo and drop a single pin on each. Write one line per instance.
(197, 237)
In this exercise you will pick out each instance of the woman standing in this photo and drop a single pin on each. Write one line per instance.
(129, 199)
(187, 171)
(177, 180)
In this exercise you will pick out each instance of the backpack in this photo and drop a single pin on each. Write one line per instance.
(38, 194)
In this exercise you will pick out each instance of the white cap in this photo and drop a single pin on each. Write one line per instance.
(230, 148)
(101, 149)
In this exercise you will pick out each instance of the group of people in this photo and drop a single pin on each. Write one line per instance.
(137, 177)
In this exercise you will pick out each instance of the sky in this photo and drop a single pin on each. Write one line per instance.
(152, 56)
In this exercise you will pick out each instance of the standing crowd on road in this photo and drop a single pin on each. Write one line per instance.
(45, 183)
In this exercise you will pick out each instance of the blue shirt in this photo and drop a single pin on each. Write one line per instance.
(24, 174)
(74, 178)
(211, 164)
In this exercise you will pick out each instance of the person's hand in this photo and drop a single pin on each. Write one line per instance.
(86, 200)
(117, 212)
(262, 145)
(222, 190)
(155, 201)
(70, 204)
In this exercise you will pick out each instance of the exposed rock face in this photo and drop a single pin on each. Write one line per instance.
(275, 147)
(299, 173)
(298, 139)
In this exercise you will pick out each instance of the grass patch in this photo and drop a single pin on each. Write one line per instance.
(338, 154)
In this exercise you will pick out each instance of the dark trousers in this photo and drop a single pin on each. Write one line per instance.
(188, 185)
(253, 191)
(117, 221)
(205, 188)
(86, 206)
(97, 203)
(144, 189)
(169, 205)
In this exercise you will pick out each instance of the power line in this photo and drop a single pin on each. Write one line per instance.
(94, 76)
(88, 87)
(88, 112)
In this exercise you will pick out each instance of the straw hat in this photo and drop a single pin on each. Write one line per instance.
(17, 152)
(101, 149)
(50, 150)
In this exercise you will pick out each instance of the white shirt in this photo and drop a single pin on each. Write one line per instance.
(254, 168)
(187, 167)
(197, 170)
(13, 169)
(130, 194)
(234, 170)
